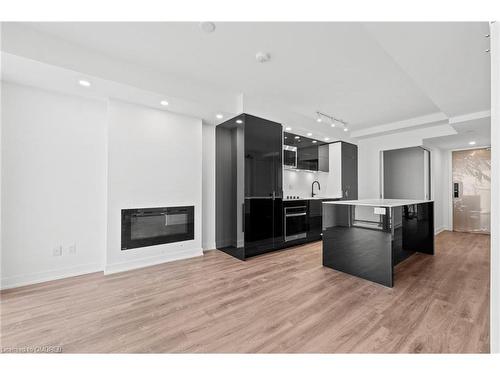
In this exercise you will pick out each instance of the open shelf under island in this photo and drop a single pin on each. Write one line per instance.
(368, 237)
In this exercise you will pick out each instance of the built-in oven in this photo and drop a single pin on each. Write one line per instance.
(290, 156)
(158, 225)
(296, 222)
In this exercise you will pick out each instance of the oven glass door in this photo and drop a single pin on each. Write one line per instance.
(295, 223)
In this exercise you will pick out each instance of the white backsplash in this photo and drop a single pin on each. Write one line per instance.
(298, 183)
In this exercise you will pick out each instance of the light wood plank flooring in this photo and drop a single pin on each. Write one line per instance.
(279, 302)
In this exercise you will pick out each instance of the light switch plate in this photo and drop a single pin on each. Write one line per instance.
(72, 249)
(57, 251)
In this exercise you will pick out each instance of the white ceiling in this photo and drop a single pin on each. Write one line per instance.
(367, 74)
(477, 130)
(447, 60)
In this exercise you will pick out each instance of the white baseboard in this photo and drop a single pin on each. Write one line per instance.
(210, 246)
(439, 230)
(151, 261)
(40, 277)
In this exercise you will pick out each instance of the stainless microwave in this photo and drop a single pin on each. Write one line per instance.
(290, 156)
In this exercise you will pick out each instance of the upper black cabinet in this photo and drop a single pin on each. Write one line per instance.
(311, 155)
(307, 158)
(344, 167)
(349, 171)
(263, 157)
(324, 158)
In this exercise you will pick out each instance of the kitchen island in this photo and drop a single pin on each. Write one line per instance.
(368, 237)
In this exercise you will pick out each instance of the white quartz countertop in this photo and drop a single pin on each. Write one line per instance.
(309, 198)
(380, 202)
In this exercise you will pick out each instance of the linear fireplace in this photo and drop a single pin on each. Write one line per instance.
(154, 226)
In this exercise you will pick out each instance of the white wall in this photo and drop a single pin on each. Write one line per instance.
(369, 164)
(441, 188)
(53, 184)
(208, 186)
(154, 160)
(404, 173)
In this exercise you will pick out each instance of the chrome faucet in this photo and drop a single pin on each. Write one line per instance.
(312, 188)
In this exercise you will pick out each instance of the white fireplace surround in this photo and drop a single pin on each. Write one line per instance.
(154, 159)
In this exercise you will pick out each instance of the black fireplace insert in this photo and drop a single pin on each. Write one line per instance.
(155, 226)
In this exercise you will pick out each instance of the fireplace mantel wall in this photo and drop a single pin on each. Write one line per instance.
(154, 160)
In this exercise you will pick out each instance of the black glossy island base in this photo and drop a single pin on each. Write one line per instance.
(367, 238)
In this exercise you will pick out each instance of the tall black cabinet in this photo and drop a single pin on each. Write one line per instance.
(249, 192)
(349, 171)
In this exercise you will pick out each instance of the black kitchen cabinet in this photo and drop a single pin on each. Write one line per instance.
(344, 169)
(307, 158)
(263, 185)
(311, 155)
(324, 158)
(249, 197)
(315, 213)
(349, 171)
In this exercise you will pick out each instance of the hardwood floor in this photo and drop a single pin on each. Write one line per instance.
(279, 302)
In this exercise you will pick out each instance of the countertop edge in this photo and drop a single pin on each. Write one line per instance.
(380, 203)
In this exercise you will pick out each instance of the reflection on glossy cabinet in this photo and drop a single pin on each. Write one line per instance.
(323, 158)
(349, 171)
(312, 154)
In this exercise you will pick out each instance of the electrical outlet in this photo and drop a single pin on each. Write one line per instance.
(57, 251)
(72, 249)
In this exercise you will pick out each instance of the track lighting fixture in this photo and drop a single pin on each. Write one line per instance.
(333, 121)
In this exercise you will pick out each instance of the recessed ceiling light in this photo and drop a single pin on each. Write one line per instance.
(84, 83)
(296, 137)
(288, 128)
(314, 141)
(327, 139)
(239, 121)
(345, 129)
(333, 125)
(319, 119)
(164, 102)
(309, 134)
(472, 143)
(219, 116)
(262, 57)
(208, 27)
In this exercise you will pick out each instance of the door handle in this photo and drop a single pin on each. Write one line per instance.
(295, 215)
(456, 191)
